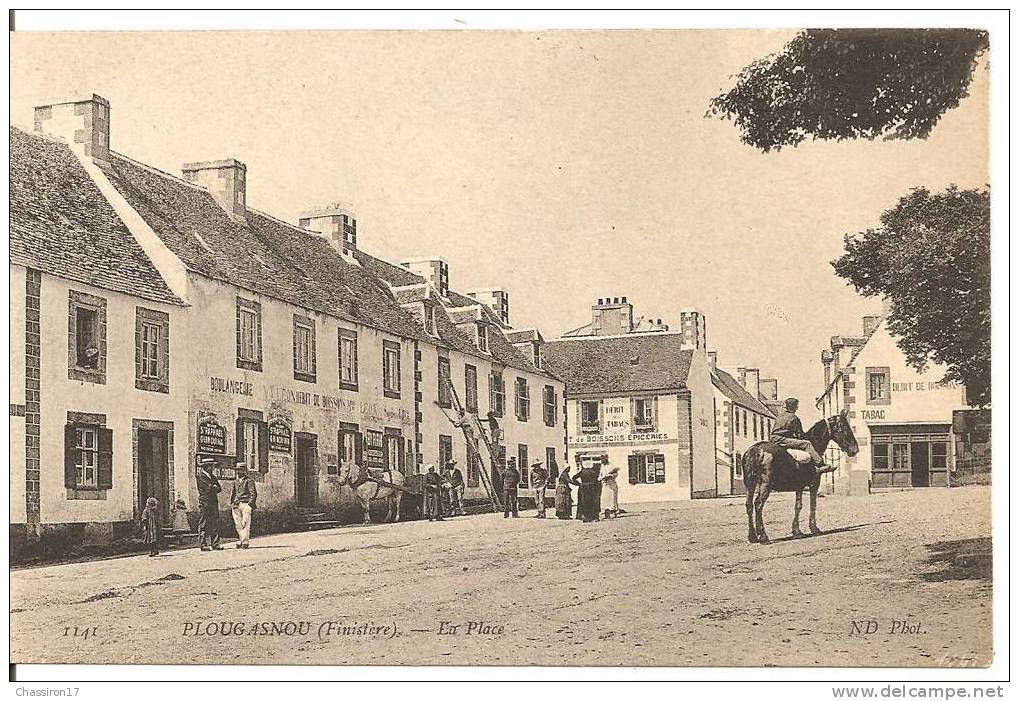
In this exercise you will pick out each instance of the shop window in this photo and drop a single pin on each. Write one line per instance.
(152, 350)
(304, 349)
(496, 393)
(471, 388)
(88, 456)
(643, 413)
(445, 396)
(590, 417)
(523, 399)
(249, 335)
(86, 339)
(878, 385)
(523, 466)
(349, 446)
(252, 436)
(549, 405)
(647, 468)
(347, 350)
(391, 369)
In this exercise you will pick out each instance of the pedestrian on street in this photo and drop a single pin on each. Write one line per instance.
(149, 523)
(456, 489)
(243, 498)
(589, 492)
(179, 520)
(564, 494)
(610, 492)
(539, 482)
(208, 505)
(433, 494)
(510, 480)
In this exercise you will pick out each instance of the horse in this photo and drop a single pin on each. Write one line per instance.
(768, 467)
(366, 489)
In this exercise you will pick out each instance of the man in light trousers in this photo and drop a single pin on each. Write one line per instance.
(242, 498)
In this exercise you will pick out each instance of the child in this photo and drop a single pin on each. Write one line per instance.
(179, 519)
(150, 525)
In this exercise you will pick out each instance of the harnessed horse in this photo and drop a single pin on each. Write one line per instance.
(367, 488)
(767, 467)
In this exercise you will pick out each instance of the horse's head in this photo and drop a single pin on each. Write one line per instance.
(347, 471)
(842, 433)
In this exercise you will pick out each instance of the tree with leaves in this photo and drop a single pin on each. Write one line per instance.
(931, 259)
(835, 84)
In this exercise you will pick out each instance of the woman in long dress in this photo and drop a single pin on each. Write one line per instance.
(588, 493)
(610, 493)
(564, 494)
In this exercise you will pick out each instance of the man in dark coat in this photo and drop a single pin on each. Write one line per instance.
(589, 492)
(788, 432)
(455, 479)
(510, 479)
(433, 494)
(208, 505)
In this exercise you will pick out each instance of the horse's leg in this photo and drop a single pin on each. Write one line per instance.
(366, 505)
(397, 497)
(797, 507)
(763, 491)
(814, 530)
(751, 530)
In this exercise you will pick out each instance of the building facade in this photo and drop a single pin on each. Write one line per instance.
(904, 420)
(212, 329)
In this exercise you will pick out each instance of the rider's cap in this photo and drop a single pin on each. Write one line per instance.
(791, 403)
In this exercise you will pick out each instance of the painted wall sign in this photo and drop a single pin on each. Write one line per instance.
(374, 449)
(222, 384)
(211, 436)
(596, 438)
(280, 436)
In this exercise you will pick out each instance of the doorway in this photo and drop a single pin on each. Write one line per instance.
(307, 470)
(920, 464)
(154, 470)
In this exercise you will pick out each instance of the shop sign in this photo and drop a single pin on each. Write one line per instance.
(211, 436)
(280, 436)
(602, 438)
(374, 449)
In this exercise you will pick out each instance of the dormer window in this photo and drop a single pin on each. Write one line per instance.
(536, 354)
(428, 318)
(482, 337)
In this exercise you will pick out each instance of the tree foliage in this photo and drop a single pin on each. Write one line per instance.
(931, 259)
(836, 84)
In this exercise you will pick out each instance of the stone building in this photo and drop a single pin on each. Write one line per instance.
(290, 349)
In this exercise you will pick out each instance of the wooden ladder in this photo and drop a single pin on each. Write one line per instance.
(486, 478)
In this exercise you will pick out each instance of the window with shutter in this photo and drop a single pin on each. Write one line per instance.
(634, 468)
(104, 474)
(263, 446)
(304, 349)
(71, 454)
(347, 349)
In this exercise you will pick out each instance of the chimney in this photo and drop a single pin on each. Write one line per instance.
(84, 123)
(694, 329)
(497, 299)
(435, 270)
(225, 181)
(750, 378)
(334, 222)
(870, 324)
(611, 317)
(713, 359)
(769, 389)
(826, 360)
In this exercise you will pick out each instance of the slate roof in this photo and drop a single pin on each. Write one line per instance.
(732, 389)
(61, 224)
(502, 351)
(613, 364)
(261, 254)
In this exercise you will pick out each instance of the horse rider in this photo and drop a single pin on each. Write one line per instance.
(788, 433)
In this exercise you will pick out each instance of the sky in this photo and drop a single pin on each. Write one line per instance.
(561, 166)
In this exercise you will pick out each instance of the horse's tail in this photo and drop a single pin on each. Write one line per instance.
(752, 461)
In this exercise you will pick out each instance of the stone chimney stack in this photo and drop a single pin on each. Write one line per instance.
(334, 222)
(750, 378)
(769, 389)
(435, 270)
(612, 316)
(870, 324)
(497, 299)
(694, 328)
(225, 180)
(713, 359)
(83, 122)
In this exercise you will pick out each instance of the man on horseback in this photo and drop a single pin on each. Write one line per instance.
(788, 433)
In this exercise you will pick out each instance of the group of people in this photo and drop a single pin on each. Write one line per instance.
(243, 501)
(444, 492)
(597, 491)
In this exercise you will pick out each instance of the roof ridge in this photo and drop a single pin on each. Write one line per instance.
(158, 171)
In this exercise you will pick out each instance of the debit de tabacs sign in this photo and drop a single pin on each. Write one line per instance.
(616, 427)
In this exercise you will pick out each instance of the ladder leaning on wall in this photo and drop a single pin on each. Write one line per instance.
(486, 478)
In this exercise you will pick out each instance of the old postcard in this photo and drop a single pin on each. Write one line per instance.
(548, 348)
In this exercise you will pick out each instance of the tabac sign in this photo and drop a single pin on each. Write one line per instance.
(616, 426)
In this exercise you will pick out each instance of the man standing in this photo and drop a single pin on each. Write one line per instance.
(539, 481)
(788, 432)
(456, 489)
(208, 505)
(433, 494)
(242, 498)
(510, 479)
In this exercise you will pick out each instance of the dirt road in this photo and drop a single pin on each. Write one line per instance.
(673, 584)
